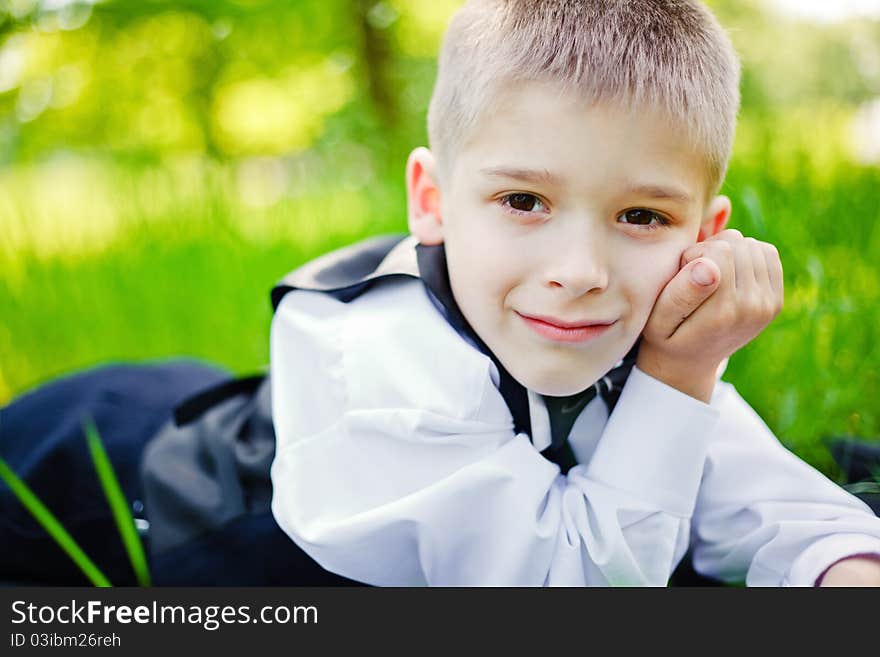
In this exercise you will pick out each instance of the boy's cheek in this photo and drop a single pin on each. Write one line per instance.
(664, 275)
(646, 307)
(662, 278)
(643, 319)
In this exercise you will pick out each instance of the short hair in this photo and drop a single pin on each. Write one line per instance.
(669, 54)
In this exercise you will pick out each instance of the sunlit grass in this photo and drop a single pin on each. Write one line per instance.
(188, 277)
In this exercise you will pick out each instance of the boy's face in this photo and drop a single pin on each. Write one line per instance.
(568, 213)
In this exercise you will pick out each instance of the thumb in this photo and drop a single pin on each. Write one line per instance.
(693, 284)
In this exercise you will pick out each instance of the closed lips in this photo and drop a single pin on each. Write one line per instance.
(580, 331)
(559, 323)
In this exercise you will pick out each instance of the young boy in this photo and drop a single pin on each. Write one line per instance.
(525, 391)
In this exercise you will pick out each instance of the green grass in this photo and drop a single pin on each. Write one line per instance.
(54, 528)
(815, 371)
(189, 281)
(115, 498)
(183, 268)
(118, 504)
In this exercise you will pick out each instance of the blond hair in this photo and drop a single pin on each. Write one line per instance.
(668, 54)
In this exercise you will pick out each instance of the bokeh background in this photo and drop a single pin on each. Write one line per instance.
(163, 163)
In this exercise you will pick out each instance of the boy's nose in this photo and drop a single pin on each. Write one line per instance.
(580, 266)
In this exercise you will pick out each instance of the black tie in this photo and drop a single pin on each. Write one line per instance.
(564, 411)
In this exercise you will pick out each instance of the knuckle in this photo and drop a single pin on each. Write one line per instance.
(724, 247)
(727, 316)
(754, 308)
(694, 251)
(755, 246)
(733, 233)
(769, 306)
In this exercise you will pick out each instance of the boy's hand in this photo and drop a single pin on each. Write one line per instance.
(728, 289)
(853, 571)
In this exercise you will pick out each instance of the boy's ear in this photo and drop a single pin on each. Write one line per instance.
(423, 198)
(715, 218)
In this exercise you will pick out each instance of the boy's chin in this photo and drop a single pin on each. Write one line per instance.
(555, 384)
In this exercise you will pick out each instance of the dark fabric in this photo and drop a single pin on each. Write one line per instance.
(199, 475)
(860, 461)
(564, 411)
(858, 458)
(41, 439)
(193, 408)
(250, 550)
(685, 575)
(347, 272)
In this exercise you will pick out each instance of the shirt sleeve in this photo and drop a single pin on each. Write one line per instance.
(397, 463)
(766, 516)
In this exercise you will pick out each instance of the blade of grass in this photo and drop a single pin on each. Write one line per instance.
(118, 504)
(50, 523)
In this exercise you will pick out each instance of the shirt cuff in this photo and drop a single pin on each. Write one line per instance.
(824, 553)
(654, 444)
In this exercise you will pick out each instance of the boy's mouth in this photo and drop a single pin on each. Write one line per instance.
(561, 330)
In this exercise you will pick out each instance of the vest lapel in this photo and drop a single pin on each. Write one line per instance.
(346, 273)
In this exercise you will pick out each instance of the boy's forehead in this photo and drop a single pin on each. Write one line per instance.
(547, 110)
(540, 134)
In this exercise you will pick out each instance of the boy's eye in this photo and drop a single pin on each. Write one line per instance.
(522, 202)
(643, 217)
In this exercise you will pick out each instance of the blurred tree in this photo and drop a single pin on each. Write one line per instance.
(373, 19)
(140, 81)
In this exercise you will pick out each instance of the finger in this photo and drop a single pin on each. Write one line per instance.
(759, 265)
(774, 271)
(744, 276)
(682, 296)
(730, 234)
(700, 249)
(721, 252)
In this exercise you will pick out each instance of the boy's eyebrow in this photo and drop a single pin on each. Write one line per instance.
(525, 175)
(659, 192)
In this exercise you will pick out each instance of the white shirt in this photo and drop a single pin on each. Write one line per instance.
(397, 464)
